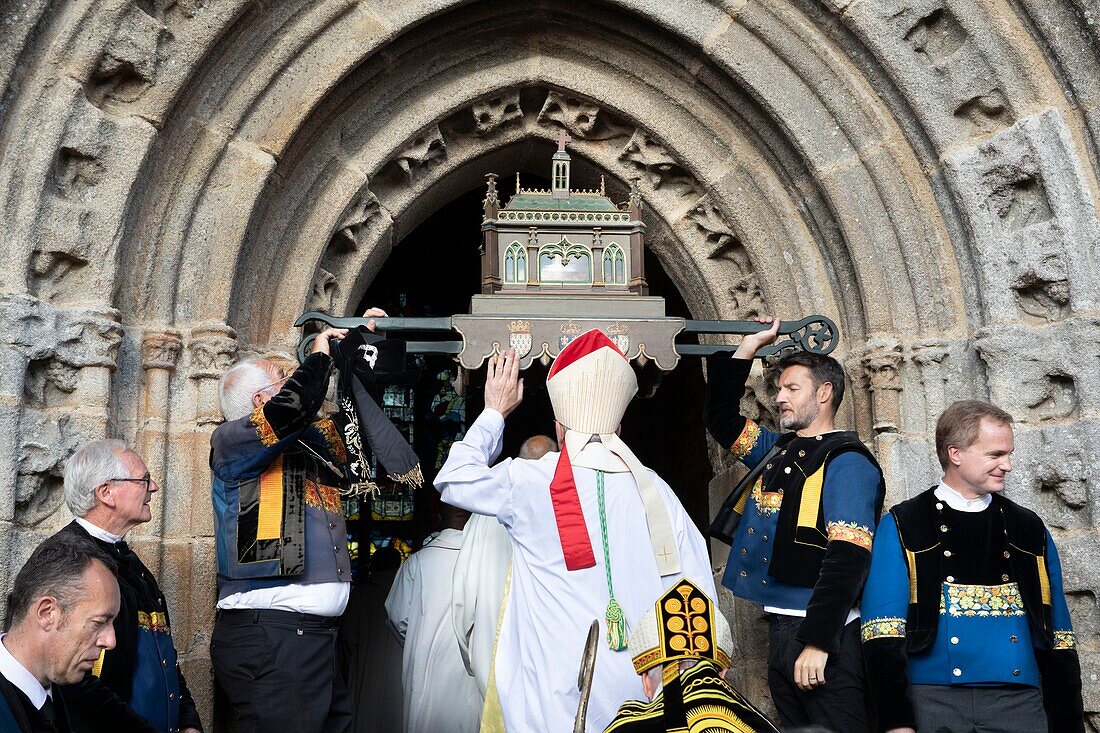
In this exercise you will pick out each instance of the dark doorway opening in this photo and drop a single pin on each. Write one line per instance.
(435, 270)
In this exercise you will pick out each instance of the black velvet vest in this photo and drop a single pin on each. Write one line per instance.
(800, 535)
(919, 523)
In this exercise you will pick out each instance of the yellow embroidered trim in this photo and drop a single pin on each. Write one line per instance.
(264, 431)
(911, 562)
(1065, 640)
(984, 600)
(767, 502)
(269, 523)
(858, 534)
(810, 506)
(97, 668)
(327, 497)
(744, 500)
(327, 429)
(883, 628)
(1044, 579)
(746, 441)
(155, 621)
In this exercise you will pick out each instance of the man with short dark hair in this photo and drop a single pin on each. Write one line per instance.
(803, 545)
(965, 625)
(62, 608)
(138, 687)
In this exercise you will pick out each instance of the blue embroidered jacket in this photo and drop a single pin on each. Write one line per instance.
(138, 686)
(278, 515)
(807, 524)
(959, 598)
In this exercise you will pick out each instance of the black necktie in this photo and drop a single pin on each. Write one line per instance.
(48, 714)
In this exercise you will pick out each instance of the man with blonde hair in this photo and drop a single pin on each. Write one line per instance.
(965, 626)
(594, 534)
(137, 686)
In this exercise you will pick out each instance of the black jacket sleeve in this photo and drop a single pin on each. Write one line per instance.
(888, 682)
(726, 379)
(189, 714)
(1061, 672)
(95, 708)
(843, 573)
(297, 403)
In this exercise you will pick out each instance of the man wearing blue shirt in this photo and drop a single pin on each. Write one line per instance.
(965, 624)
(803, 546)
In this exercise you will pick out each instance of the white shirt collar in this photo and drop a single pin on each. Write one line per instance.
(98, 532)
(17, 674)
(956, 501)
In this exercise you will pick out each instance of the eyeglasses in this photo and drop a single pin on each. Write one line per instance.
(146, 480)
(279, 383)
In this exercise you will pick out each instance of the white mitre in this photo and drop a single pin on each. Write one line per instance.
(591, 384)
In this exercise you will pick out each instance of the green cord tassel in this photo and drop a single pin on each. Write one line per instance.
(616, 626)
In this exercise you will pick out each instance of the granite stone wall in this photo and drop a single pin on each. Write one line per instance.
(179, 179)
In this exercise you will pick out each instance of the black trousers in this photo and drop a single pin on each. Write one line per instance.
(279, 671)
(840, 705)
(1004, 709)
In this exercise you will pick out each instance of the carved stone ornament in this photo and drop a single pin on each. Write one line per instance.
(881, 362)
(578, 116)
(493, 113)
(160, 349)
(212, 348)
(426, 150)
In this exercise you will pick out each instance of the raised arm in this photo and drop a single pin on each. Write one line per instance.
(726, 379)
(466, 479)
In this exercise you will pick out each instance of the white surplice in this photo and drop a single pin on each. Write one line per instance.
(477, 592)
(439, 694)
(549, 608)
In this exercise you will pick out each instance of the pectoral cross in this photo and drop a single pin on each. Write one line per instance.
(561, 139)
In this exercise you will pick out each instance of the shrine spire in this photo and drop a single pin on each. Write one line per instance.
(560, 173)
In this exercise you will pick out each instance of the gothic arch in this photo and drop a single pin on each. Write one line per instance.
(182, 177)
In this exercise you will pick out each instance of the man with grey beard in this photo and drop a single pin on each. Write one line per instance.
(802, 547)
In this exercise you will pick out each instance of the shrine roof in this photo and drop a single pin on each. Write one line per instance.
(544, 201)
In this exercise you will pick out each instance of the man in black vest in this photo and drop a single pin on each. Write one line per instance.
(138, 686)
(803, 546)
(278, 470)
(965, 624)
(62, 606)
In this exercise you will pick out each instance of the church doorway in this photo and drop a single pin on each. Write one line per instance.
(433, 272)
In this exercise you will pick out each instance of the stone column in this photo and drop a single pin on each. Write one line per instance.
(160, 350)
(881, 361)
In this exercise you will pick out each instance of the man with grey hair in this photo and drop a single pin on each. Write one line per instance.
(284, 573)
(137, 686)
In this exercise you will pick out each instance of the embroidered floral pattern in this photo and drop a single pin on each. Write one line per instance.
(767, 502)
(858, 534)
(984, 600)
(264, 431)
(883, 628)
(320, 496)
(155, 621)
(746, 441)
(1065, 640)
(327, 429)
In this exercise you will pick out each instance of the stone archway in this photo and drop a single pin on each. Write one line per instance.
(181, 177)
